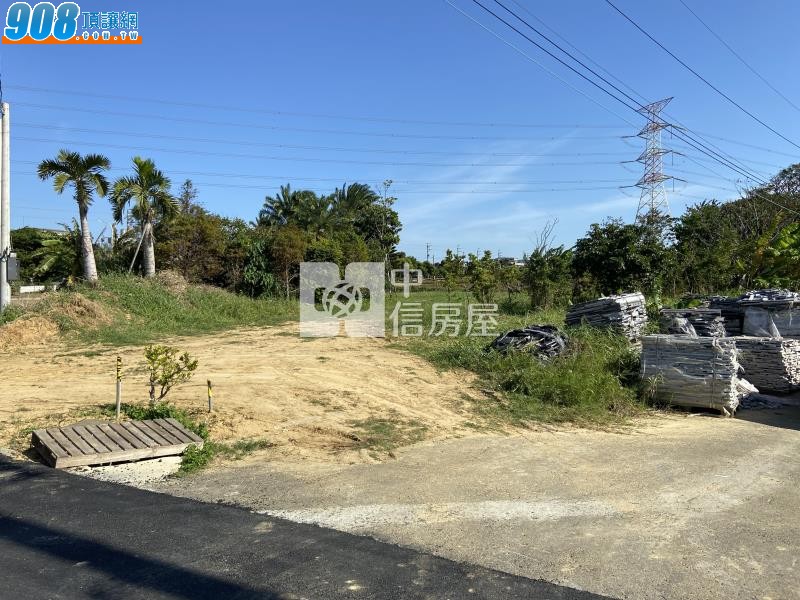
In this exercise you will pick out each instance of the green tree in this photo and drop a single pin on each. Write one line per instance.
(59, 256)
(707, 247)
(84, 174)
(167, 368)
(617, 257)
(325, 250)
(187, 196)
(193, 243)
(280, 209)
(780, 265)
(452, 268)
(258, 276)
(238, 239)
(482, 276)
(547, 277)
(149, 191)
(287, 250)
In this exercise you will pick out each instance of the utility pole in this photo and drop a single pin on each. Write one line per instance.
(428, 252)
(5, 205)
(653, 199)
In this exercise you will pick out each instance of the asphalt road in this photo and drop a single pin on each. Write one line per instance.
(65, 536)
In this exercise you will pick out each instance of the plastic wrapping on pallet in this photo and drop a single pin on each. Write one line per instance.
(626, 313)
(766, 322)
(772, 364)
(761, 313)
(694, 371)
(704, 322)
(543, 341)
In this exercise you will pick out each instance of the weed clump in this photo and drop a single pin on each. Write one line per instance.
(194, 457)
(594, 381)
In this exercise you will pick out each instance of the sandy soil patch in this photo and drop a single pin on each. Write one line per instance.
(313, 398)
(27, 332)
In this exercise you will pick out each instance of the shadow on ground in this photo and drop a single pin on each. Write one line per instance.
(63, 535)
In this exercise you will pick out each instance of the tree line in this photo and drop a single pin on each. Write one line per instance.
(713, 247)
(154, 226)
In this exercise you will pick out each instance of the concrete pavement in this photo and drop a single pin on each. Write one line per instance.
(66, 536)
(679, 507)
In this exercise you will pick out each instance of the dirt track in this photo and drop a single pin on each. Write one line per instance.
(303, 395)
(689, 507)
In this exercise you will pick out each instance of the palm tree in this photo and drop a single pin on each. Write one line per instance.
(149, 191)
(314, 213)
(279, 209)
(84, 174)
(349, 200)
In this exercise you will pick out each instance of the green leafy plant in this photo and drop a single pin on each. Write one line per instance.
(167, 369)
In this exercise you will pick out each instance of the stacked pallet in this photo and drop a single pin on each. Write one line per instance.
(731, 311)
(772, 365)
(625, 313)
(770, 298)
(760, 313)
(770, 313)
(705, 322)
(694, 371)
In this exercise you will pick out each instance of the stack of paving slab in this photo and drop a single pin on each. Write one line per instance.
(625, 313)
(700, 372)
(771, 364)
(761, 313)
(731, 311)
(704, 322)
(771, 313)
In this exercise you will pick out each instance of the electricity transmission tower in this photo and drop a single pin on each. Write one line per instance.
(653, 199)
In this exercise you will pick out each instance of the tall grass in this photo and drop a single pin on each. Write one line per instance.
(128, 310)
(594, 382)
(146, 309)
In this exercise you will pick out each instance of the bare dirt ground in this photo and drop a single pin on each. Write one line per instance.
(675, 507)
(316, 399)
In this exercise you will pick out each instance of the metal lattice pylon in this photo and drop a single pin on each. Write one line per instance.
(653, 199)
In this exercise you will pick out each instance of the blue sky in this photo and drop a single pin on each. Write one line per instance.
(404, 91)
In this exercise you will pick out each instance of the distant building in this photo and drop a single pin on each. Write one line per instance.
(508, 261)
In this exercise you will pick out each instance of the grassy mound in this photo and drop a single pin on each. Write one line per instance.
(123, 310)
(594, 382)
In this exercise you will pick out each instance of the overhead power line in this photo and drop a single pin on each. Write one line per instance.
(739, 57)
(642, 99)
(230, 142)
(285, 113)
(682, 133)
(700, 77)
(626, 101)
(194, 121)
(405, 152)
(340, 180)
(313, 159)
(639, 108)
(530, 58)
(548, 52)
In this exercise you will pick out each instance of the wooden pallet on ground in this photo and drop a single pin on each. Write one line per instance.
(103, 443)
